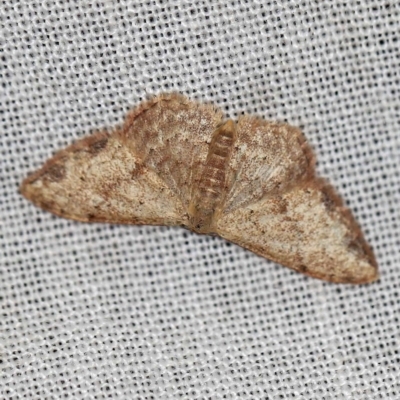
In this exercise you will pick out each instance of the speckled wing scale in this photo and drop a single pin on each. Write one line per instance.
(106, 183)
(176, 162)
(138, 174)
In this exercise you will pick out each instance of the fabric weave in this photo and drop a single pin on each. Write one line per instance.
(123, 312)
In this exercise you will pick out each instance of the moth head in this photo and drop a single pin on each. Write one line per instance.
(200, 219)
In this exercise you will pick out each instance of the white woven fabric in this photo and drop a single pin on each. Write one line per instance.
(99, 311)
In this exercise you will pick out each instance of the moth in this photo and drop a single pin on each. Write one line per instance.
(177, 162)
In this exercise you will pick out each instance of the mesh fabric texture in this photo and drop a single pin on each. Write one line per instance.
(124, 312)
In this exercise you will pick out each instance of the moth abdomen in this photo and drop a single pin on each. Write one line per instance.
(210, 192)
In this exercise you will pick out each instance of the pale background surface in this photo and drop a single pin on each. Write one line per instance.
(97, 311)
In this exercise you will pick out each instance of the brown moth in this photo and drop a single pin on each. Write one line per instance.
(176, 162)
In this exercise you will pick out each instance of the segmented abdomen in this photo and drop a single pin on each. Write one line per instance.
(213, 178)
(211, 184)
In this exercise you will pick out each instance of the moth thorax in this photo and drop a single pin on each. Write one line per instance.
(211, 185)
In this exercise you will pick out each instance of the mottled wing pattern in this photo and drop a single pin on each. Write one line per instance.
(174, 163)
(171, 135)
(306, 228)
(268, 159)
(99, 179)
